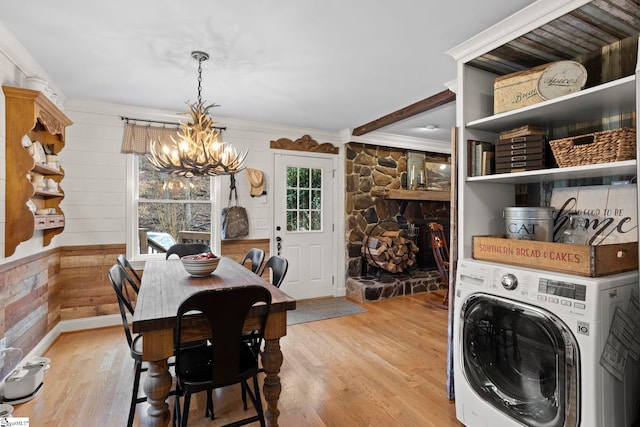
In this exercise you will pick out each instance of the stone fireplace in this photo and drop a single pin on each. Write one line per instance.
(370, 172)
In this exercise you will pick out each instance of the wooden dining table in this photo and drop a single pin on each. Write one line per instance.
(165, 284)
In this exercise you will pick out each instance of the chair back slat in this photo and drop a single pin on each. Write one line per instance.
(120, 283)
(134, 277)
(256, 257)
(279, 266)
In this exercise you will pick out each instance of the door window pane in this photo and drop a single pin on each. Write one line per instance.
(292, 199)
(316, 178)
(304, 205)
(304, 199)
(304, 177)
(304, 221)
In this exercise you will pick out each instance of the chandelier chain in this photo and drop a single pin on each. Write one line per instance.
(200, 59)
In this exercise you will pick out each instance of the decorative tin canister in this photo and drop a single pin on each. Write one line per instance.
(525, 223)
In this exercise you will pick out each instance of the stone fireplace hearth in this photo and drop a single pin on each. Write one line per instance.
(371, 171)
(373, 288)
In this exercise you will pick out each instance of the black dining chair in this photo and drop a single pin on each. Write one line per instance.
(229, 360)
(183, 249)
(134, 277)
(256, 257)
(121, 282)
(279, 266)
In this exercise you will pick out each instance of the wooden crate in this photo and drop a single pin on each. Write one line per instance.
(528, 87)
(591, 261)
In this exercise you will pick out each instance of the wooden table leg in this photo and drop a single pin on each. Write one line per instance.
(271, 362)
(157, 385)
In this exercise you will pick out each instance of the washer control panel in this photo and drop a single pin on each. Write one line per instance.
(564, 293)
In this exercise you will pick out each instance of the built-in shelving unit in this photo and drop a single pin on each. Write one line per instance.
(30, 113)
(602, 106)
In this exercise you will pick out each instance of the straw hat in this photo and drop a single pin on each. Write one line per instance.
(256, 181)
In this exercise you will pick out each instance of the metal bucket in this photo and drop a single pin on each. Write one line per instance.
(524, 223)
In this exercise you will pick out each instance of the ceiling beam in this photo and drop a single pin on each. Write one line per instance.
(426, 104)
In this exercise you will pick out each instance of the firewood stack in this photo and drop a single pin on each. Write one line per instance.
(390, 251)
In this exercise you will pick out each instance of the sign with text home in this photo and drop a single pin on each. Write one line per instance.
(610, 212)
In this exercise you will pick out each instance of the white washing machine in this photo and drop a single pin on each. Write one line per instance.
(544, 349)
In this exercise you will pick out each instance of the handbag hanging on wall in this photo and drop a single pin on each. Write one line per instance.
(235, 222)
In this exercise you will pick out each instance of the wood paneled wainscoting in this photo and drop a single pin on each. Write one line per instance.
(65, 283)
(85, 290)
(29, 299)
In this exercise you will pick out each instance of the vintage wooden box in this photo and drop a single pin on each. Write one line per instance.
(581, 260)
(528, 87)
(508, 151)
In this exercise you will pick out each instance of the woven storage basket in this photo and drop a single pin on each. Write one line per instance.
(599, 147)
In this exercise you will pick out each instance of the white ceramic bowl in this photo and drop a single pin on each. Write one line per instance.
(200, 267)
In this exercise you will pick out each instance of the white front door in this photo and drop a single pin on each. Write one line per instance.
(304, 223)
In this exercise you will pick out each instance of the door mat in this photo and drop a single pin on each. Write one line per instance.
(320, 309)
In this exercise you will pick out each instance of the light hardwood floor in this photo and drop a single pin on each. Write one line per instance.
(385, 367)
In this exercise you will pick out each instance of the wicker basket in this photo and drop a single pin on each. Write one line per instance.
(599, 147)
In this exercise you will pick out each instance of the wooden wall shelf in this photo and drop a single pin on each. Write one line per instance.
(419, 195)
(29, 113)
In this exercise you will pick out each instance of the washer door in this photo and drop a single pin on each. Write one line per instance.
(522, 360)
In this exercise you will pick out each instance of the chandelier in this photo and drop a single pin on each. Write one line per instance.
(198, 151)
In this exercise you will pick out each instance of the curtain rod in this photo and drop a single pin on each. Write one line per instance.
(162, 122)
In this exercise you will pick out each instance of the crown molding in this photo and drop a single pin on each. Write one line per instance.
(521, 22)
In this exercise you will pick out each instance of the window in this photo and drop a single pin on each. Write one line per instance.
(169, 209)
(304, 199)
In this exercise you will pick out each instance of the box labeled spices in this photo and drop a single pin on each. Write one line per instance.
(528, 87)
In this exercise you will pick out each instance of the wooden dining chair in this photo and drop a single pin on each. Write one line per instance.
(183, 249)
(256, 257)
(441, 256)
(234, 359)
(134, 277)
(120, 282)
(278, 266)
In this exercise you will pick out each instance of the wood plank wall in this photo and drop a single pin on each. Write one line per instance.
(86, 290)
(29, 299)
(71, 282)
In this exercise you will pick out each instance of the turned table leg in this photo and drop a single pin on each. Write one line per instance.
(157, 385)
(271, 362)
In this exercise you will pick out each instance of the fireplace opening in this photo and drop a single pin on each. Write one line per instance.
(388, 247)
(371, 172)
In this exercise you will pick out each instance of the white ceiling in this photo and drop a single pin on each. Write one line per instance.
(331, 64)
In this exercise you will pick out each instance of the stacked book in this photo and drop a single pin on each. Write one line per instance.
(481, 156)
